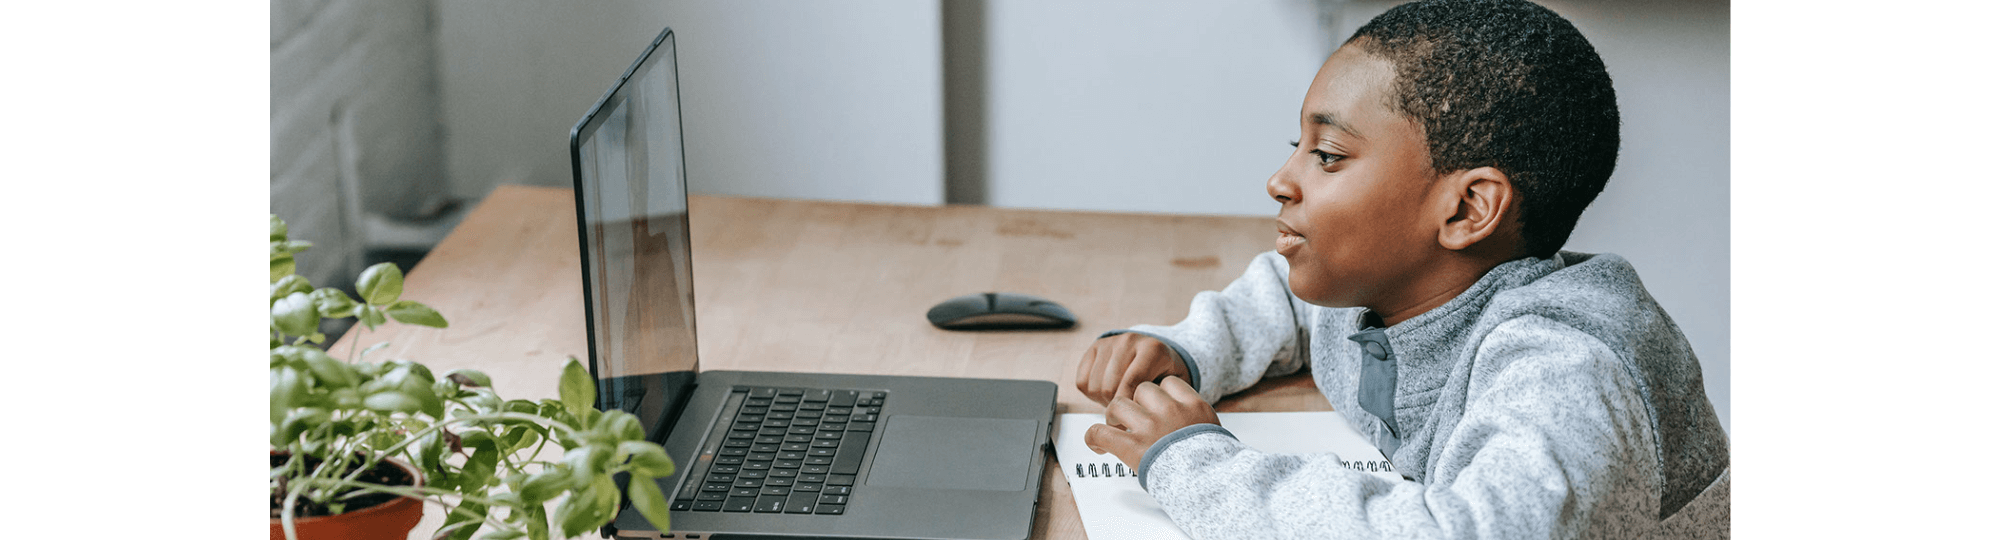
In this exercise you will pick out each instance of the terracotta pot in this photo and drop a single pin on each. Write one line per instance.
(390, 520)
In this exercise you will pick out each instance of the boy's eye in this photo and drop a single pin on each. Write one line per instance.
(1325, 158)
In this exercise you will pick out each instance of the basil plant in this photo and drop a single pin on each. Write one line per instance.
(333, 420)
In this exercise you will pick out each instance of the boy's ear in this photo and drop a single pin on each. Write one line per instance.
(1482, 197)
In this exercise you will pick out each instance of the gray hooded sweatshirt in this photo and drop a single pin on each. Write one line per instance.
(1552, 399)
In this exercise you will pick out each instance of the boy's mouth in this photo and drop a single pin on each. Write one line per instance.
(1288, 240)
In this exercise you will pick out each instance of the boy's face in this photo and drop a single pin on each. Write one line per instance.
(1354, 220)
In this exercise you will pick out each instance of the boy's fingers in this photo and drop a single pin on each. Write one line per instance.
(1179, 390)
(1107, 378)
(1132, 377)
(1103, 438)
(1083, 370)
(1150, 396)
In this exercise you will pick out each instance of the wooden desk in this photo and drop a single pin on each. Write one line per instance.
(785, 285)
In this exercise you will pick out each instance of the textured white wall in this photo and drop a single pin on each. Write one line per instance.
(354, 122)
(818, 100)
(1187, 107)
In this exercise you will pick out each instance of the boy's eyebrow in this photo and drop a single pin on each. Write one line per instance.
(1327, 119)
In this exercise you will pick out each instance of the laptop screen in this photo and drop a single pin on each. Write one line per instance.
(632, 220)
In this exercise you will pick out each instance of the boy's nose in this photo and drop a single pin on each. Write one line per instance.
(1280, 187)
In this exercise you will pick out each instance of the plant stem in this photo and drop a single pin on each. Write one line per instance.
(377, 458)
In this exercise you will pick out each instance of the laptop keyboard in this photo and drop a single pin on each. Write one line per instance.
(786, 450)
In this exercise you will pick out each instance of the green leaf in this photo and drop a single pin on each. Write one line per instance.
(288, 387)
(281, 267)
(588, 509)
(294, 315)
(393, 401)
(646, 497)
(544, 485)
(380, 284)
(577, 388)
(331, 373)
(586, 463)
(411, 312)
(616, 425)
(287, 285)
(508, 534)
(474, 519)
(278, 229)
(369, 315)
(538, 522)
(647, 458)
(333, 303)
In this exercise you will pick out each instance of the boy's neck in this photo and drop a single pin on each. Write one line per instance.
(1434, 288)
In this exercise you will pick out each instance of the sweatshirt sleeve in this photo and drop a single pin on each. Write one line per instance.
(1554, 442)
(1252, 329)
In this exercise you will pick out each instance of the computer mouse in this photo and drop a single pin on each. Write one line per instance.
(999, 311)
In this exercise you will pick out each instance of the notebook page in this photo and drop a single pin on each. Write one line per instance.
(1114, 507)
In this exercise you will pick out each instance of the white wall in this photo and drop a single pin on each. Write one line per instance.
(1188, 106)
(817, 100)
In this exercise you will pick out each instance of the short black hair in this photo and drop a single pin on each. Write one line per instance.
(1510, 85)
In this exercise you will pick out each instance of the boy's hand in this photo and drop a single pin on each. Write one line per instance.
(1114, 366)
(1131, 425)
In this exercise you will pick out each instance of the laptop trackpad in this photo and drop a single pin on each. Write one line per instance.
(988, 454)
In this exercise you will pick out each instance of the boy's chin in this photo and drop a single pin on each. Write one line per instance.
(1315, 294)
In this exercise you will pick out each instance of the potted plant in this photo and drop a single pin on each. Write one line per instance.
(358, 440)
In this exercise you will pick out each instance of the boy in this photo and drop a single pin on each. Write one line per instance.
(1446, 151)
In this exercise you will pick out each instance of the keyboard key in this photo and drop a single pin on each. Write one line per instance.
(792, 455)
(837, 411)
(833, 419)
(801, 430)
(818, 395)
(835, 426)
(849, 459)
(783, 407)
(749, 418)
(736, 443)
(801, 503)
(754, 410)
(870, 417)
(840, 480)
(749, 482)
(721, 478)
(813, 479)
(742, 435)
(779, 423)
(739, 504)
(722, 469)
(746, 426)
(711, 496)
(787, 464)
(827, 443)
(770, 503)
(777, 415)
(819, 461)
(762, 456)
(771, 439)
(837, 490)
(785, 399)
(835, 435)
(768, 482)
(743, 492)
(683, 505)
(801, 421)
(782, 473)
(860, 426)
(807, 414)
(793, 446)
(820, 452)
(756, 465)
(790, 391)
(763, 392)
(832, 499)
(756, 403)
(708, 506)
(774, 490)
(714, 487)
(805, 487)
(753, 475)
(734, 452)
(729, 460)
(830, 509)
(797, 438)
(843, 398)
(817, 469)
(771, 431)
(764, 448)
(813, 406)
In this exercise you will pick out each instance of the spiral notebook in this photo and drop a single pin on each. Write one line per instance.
(1114, 507)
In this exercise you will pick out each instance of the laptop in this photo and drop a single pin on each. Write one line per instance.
(767, 454)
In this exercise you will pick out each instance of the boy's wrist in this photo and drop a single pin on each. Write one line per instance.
(1152, 453)
(1180, 353)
